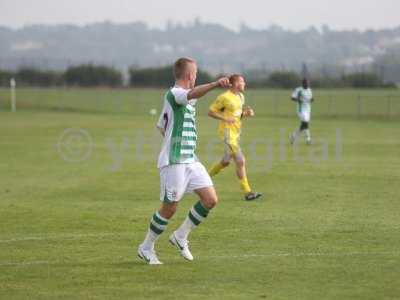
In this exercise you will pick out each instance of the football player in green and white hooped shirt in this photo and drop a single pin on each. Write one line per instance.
(303, 96)
(180, 170)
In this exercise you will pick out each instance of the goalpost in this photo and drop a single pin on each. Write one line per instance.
(13, 96)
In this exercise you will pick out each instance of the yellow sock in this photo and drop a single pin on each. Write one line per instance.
(244, 185)
(215, 169)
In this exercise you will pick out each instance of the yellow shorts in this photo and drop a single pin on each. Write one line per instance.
(232, 148)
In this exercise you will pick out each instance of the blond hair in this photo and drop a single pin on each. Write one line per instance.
(180, 66)
(235, 77)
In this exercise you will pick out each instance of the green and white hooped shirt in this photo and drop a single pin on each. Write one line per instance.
(178, 121)
(304, 96)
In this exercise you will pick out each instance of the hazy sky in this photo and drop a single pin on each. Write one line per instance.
(291, 14)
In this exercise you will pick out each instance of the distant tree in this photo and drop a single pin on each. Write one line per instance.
(284, 79)
(160, 77)
(91, 75)
(35, 77)
(388, 65)
(151, 76)
(362, 80)
(5, 77)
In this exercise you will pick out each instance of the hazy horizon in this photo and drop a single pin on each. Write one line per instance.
(340, 15)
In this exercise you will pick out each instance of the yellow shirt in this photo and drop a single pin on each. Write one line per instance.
(230, 106)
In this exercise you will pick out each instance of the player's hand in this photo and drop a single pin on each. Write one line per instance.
(248, 112)
(230, 120)
(223, 82)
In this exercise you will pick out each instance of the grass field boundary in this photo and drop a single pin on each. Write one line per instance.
(275, 103)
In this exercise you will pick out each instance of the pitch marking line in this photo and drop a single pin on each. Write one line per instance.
(299, 254)
(244, 256)
(62, 237)
(71, 236)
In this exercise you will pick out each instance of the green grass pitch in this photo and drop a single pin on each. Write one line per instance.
(74, 207)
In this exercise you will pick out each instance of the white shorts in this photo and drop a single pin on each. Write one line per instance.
(304, 116)
(178, 179)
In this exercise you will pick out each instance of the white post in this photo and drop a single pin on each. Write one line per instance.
(13, 98)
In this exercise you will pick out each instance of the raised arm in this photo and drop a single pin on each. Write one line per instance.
(201, 90)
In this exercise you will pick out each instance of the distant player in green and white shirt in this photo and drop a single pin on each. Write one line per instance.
(180, 170)
(304, 97)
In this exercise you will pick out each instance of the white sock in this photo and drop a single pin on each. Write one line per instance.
(308, 135)
(183, 231)
(157, 226)
(196, 215)
(149, 240)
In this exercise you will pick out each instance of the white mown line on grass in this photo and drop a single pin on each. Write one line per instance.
(217, 257)
(62, 237)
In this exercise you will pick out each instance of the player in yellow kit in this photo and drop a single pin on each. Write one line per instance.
(228, 108)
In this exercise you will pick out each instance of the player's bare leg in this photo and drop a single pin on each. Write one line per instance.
(240, 162)
(208, 197)
(167, 210)
(219, 166)
(197, 214)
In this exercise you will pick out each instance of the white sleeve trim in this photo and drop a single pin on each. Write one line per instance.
(181, 95)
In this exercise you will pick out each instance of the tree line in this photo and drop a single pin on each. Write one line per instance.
(89, 75)
(86, 75)
(288, 79)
